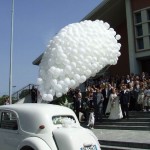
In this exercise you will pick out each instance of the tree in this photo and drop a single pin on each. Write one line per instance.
(2, 99)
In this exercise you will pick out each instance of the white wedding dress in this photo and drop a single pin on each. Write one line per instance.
(114, 108)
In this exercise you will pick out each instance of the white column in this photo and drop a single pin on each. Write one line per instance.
(134, 67)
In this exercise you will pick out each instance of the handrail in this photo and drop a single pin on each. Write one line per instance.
(16, 95)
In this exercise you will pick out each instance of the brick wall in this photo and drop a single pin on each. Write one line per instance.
(139, 4)
(122, 67)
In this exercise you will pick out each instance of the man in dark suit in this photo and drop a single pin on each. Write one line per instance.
(125, 101)
(34, 94)
(106, 93)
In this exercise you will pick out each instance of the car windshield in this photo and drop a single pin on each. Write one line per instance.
(61, 119)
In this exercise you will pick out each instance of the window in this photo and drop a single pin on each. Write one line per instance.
(142, 29)
(138, 18)
(8, 121)
(63, 119)
(149, 28)
(148, 14)
(139, 30)
(140, 43)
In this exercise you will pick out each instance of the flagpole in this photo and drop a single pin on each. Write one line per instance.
(11, 53)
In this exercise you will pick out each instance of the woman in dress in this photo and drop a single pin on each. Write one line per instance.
(99, 104)
(113, 106)
(147, 99)
(141, 96)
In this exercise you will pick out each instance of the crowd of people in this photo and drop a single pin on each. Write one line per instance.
(113, 96)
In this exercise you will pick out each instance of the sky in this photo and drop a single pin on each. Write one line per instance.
(35, 23)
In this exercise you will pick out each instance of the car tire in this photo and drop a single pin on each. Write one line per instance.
(27, 148)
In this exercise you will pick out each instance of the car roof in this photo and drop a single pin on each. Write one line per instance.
(34, 107)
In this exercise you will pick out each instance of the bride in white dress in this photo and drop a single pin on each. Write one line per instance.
(113, 106)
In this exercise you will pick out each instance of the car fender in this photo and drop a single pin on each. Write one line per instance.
(35, 143)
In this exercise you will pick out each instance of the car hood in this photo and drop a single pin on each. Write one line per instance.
(75, 139)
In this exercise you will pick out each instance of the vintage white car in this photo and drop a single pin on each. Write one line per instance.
(43, 127)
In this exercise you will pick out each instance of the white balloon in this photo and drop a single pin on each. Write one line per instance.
(83, 78)
(67, 81)
(44, 96)
(118, 54)
(61, 82)
(77, 77)
(72, 83)
(49, 97)
(54, 82)
(39, 81)
(65, 90)
(107, 25)
(52, 92)
(65, 61)
(59, 87)
(118, 37)
(59, 94)
(68, 69)
(73, 64)
(88, 72)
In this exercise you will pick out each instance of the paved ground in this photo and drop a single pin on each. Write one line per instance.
(123, 135)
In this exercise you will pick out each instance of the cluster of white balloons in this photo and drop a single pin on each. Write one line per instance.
(77, 52)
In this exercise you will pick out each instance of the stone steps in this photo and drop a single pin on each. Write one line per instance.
(116, 145)
(124, 123)
(103, 147)
(136, 121)
(139, 114)
(140, 119)
(122, 127)
(125, 134)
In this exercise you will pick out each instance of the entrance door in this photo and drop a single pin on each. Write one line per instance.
(145, 65)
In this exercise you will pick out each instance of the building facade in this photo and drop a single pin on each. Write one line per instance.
(130, 19)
